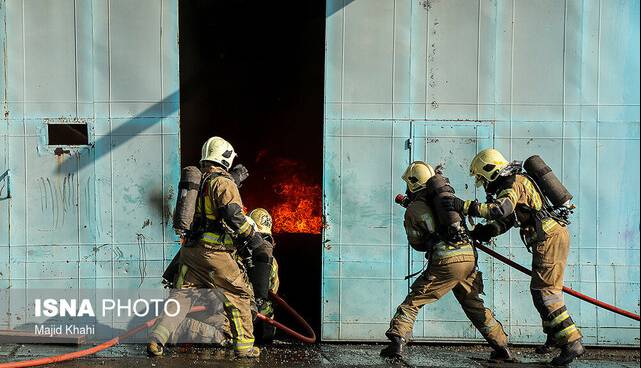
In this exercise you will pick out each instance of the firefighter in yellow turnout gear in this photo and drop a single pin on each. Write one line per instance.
(516, 202)
(452, 267)
(208, 261)
(267, 280)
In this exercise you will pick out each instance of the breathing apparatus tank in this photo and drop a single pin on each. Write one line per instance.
(450, 223)
(189, 187)
(549, 184)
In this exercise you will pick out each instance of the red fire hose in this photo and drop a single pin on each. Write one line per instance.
(308, 329)
(116, 340)
(566, 289)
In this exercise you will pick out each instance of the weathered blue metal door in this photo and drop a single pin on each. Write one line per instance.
(554, 78)
(89, 130)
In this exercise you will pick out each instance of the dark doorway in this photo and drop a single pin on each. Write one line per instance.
(252, 72)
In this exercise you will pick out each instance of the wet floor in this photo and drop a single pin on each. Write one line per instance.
(322, 355)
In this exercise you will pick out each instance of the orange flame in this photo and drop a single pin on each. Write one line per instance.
(298, 207)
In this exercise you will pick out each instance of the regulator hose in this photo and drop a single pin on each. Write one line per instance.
(566, 289)
(116, 340)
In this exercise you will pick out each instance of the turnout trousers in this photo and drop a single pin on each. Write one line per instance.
(549, 259)
(466, 283)
(210, 276)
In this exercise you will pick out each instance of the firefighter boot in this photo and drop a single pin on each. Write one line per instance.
(569, 352)
(154, 348)
(395, 348)
(253, 352)
(547, 347)
(501, 354)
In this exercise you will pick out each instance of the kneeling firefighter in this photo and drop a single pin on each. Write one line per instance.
(264, 279)
(452, 263)
(207, 260)
(535, 201)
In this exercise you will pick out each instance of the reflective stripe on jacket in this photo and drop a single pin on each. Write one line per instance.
(220, 191)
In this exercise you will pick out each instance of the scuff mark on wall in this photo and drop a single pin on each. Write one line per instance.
(57, 196)
(426, 4)
(118, 254)
(431, 60)
(142, 257)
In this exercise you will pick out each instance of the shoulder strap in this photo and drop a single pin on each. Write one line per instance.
(201, 195)
(545, 203)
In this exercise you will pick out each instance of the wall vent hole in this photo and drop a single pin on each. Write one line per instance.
(68, 134)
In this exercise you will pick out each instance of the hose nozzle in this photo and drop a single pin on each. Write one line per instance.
(402, 199)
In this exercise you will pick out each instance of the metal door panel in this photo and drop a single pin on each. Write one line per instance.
(94, 216)
(363, 163)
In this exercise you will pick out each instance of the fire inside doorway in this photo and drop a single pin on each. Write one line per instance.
(252, 72)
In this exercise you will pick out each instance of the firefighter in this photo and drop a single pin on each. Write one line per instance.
(452, 267)
(514, 201)
(268, 277)
(207, 263)
(262, 256)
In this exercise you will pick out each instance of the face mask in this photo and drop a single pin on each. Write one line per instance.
(409, 194)
(480, 181)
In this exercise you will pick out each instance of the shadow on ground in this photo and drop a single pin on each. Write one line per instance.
(323, 355)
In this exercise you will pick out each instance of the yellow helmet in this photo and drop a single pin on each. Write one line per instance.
(218, 150)
(262, 219)
(487, 165)
(416, 175)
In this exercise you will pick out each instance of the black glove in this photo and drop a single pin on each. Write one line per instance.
(482, 233)
(246, 249)
(239, 173)
(453, 204)
(245, 255)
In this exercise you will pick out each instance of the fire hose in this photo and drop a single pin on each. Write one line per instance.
(566, 289)
(116, 340)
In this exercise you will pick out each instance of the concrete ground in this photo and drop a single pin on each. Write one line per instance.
(283, 354)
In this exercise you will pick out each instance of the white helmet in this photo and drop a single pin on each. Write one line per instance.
(219, 151)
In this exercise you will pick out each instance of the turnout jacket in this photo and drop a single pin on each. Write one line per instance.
(224, 212)
(517, 204)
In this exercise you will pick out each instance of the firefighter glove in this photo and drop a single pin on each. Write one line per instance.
(239, 173)
(482, 233)
(245, 255)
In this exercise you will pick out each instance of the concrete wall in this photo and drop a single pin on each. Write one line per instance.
(95, 215)
(439, 80)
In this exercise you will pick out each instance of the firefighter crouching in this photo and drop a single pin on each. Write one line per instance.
(207, 260)
(264, 279)
(516, 200)
(452, 267)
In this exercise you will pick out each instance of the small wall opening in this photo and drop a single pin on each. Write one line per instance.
(67, 134)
